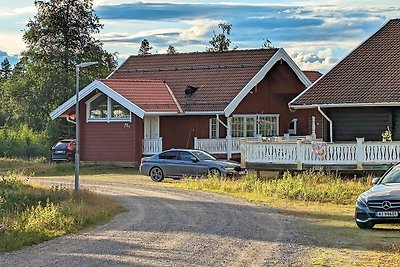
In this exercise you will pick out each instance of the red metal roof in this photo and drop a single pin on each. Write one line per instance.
(219, 76)
(149, 95)
(368, 75)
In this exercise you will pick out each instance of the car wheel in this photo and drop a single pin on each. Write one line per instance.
(156, 174)
(365, 225)
(214, 171)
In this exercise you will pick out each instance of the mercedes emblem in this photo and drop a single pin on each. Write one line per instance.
(386, 205)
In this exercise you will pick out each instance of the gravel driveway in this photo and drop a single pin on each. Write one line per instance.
(168, 227)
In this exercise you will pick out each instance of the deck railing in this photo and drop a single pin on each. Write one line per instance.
(152, 146)
(220, 145)
(320, 153)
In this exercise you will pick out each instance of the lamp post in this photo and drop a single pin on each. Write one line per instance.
(78, 66)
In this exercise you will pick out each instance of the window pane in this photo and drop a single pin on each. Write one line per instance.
(250, 127)
(268, 125)
(118, 111)
(213, 128)
(98, 107)
(186, 156)
(237, 127)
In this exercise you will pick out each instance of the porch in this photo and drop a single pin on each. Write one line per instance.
(302, 155)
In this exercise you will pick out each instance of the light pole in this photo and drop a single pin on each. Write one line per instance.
(78, 66)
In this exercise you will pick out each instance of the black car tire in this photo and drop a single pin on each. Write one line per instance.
(214, 171)
(156, 174)
(365, 225)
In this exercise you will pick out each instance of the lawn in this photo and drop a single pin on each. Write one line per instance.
(322, 210)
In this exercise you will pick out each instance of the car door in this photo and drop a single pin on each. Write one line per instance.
(190, 167)
(169, 163)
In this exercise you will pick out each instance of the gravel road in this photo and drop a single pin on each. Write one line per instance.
(169, 227)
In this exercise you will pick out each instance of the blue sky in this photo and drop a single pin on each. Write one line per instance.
(315, 33)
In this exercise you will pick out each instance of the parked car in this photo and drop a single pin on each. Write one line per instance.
(381, 203)
(64, 150)
(177, 163)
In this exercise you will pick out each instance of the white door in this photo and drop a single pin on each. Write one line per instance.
(151, 127)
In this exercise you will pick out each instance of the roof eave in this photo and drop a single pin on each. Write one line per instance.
(345, 105)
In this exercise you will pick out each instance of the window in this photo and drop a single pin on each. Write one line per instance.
(103, 108)
(173, 155)
(214, 128)
(186, 156)
(253, 125)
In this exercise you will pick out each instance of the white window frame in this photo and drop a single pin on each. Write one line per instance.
(256, 117)
(109, 117)
(210, 128)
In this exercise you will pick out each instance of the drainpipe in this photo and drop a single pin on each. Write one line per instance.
(330, 122)
(71, 121)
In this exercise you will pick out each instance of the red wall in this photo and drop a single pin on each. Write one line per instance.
(110, 142)
(272, 95)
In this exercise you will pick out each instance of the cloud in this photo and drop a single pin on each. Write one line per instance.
(13, 59)
(321, 60)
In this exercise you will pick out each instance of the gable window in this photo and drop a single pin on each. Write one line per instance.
(255, 125)
(103, 108)
(214, 128)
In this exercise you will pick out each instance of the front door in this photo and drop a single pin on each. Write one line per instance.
(151, 127)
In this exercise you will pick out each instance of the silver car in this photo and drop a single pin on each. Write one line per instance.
(177, 163)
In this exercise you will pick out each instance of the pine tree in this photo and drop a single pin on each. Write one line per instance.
(145, 48)
(5, 71)
(171, 50)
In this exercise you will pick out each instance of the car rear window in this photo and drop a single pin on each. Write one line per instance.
(62, 145)
(169, 155)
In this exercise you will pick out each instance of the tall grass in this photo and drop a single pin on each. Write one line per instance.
(307, 186)
(30, 215)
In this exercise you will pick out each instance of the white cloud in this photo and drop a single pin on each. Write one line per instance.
(197, 30)
(11, 42)
(319, 59)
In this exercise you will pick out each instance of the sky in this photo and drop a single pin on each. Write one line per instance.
(316, 34)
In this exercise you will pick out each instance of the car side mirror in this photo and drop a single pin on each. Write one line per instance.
(375, 180)
(194, 159)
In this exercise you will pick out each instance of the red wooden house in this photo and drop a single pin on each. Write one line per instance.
(192, 100)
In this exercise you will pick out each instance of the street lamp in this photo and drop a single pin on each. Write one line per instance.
(78, 66)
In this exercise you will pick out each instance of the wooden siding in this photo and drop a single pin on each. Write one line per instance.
(349, 123)
(110, 142)
(272, 95)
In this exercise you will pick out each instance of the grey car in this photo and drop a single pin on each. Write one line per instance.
(177, 163)
(381, 203)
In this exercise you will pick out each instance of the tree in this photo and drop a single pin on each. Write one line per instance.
(220, 42)
(59, 37)
(5, 71)
(145, 48)
(267, 44)
(171, 50)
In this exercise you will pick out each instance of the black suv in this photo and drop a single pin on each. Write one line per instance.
(64, 150)
(381, 203)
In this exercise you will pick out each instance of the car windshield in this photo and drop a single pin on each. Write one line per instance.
(393, 176)
(61, 145)
(203, 155)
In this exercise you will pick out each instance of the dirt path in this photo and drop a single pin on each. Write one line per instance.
(167, 227)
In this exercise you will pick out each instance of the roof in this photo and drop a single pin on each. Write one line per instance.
(157, 83)
(149, 95)
(369, 75)
(312, 75)
(219, 76)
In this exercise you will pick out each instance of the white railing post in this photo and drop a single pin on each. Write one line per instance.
(299, 155)
(243, 148)
(229, 138)
(195, 143)
(313, 133)
(160, 145)
(360, 153)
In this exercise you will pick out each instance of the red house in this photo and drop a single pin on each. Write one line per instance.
(194, 100)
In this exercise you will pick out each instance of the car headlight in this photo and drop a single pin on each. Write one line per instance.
(361, 202)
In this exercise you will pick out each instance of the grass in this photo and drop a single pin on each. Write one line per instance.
(321, 208)
(31, 214)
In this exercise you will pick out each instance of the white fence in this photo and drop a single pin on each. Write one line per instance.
(220, 145)
(319, 153)
(152, 146)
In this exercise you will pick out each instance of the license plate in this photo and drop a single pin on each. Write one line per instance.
(242, 172)
(58, 152)
(387, 214)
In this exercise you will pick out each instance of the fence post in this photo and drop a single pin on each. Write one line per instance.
(243, 149)
(360, 153)
(160, 145)
(299, 155)
(229, 138)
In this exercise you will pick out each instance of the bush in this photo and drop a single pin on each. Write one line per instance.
(23, 142)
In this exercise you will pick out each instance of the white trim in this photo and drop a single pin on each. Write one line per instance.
(204, 113)
(256, 117)
(174, 98)
(347, 105)
(279, 55)
(291, 106)
(216, 128)
(107, 91)
(118, 67)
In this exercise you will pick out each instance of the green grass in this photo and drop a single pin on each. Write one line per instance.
(30, 214)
